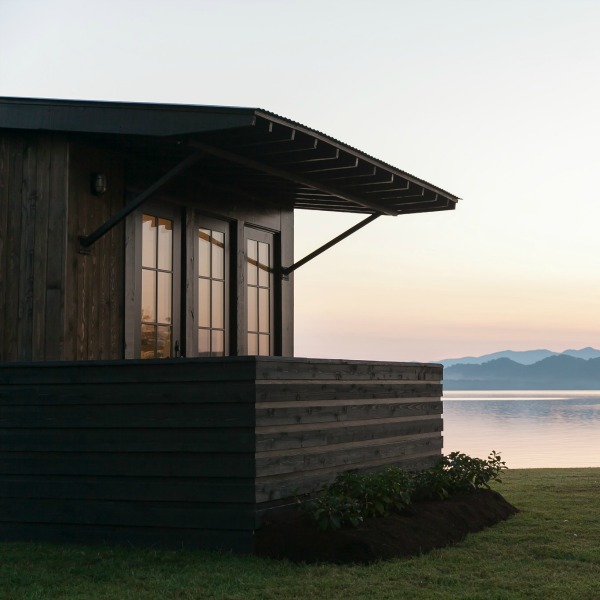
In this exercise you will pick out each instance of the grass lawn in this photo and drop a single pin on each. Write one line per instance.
(550, 550)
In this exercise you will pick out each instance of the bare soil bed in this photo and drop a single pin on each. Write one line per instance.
(423, 526)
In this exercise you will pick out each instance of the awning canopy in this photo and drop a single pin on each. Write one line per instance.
(252, 150)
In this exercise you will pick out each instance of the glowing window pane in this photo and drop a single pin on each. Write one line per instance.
(252, 344)
(148, 295)
(218, 255)
(252, 259)
(148, 241)
(163, 342)
(252, 309)
(218, 308)
(165, 244)
(263, 345)
(204, 252)
(218, 346)
(148, 341)
(164, 294)
(204, 302)
(204, 342)
(263, 264)
(263, 310)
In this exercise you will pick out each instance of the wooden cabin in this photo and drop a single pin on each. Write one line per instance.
(148, 389)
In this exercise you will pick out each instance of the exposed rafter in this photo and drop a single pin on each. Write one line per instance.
(289, 176)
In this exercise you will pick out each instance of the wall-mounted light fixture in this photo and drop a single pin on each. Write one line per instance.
(98, 184)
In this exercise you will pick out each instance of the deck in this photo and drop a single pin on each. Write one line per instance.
(194, 451)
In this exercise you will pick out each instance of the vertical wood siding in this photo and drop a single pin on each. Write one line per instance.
(33, 197)
(94, 283)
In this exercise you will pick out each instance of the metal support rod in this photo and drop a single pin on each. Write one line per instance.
(287, 270)
(86, 241)
(294, 178)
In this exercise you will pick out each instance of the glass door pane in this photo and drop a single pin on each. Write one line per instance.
(259, 292)
(157, 287)
(212, 250)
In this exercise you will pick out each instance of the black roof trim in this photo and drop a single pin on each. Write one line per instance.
(124, 118)
(294, 163)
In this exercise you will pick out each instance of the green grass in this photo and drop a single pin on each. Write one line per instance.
(550, 550)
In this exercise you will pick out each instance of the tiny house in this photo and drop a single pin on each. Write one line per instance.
(148, 388)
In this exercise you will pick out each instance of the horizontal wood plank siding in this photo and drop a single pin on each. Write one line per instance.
(159, 452)
(316, 419)
(193, 451)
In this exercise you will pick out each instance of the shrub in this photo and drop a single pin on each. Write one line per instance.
(353, 497)
(458, 473)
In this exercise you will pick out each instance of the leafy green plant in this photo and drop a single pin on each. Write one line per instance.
(353, 497)
(458, 473)
(331, 511)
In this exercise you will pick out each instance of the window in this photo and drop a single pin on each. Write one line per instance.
(259, 277)
(153, 283)
(182, 299)
(157, 288)
(212, 288)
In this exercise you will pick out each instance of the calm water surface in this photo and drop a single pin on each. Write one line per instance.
(528, 428)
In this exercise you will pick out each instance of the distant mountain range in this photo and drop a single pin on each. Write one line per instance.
(523, 357)
(528, 370)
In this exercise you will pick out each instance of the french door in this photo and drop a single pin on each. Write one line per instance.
(211, 288)
(159, 282)
(260, 292)
(184, 301)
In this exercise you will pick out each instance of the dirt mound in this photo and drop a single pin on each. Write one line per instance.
(418, 529)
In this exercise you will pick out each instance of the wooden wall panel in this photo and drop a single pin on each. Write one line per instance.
(14, 171)
(29, 204)
(130, 454)
(6, 156)
(95, 282)
(40, 248)
(55, 300)
(194, 451)
(318, 418)
(32, 246)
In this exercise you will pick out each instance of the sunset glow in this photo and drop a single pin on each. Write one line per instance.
(496, 102)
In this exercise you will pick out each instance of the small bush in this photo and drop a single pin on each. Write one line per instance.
(353, 497)
(458, 473)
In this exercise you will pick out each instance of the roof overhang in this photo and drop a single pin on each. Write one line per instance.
(263, 155)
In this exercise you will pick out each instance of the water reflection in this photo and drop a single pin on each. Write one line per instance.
(529, 429)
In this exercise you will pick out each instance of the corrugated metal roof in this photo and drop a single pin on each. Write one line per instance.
(265, 155)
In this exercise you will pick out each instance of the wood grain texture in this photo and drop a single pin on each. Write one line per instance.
(82, 447)
(198, 445)
(5, 160)
(32, 215)
(95, 282)
(55, 326)
(316, 419)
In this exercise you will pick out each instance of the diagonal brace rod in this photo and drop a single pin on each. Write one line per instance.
(86, 241)
(294, 177)
(287, 270)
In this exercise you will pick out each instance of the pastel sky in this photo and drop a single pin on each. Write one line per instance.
(497, 102)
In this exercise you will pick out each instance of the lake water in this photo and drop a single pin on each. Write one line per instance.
(528, 428)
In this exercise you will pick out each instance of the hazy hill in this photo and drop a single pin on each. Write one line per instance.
(585, 353)
(524, 357)
(556, 372)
